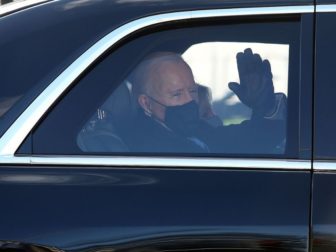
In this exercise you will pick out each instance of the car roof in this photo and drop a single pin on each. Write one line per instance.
(89, 20)
(128, 7)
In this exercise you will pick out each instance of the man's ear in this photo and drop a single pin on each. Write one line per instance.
(145, 103)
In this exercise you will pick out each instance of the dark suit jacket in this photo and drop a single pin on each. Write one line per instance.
(257, 136)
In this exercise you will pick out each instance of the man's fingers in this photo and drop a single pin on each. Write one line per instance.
(256, 88)
(257, 64)
(248, 51)
(244, 61)
(236, 88)
(248, 63)
(268, 87)
(241, 65)
(267, 69)
(257, 58)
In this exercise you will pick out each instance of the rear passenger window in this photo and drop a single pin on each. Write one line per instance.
(221, 89)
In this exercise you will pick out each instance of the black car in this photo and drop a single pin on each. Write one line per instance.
(81, 172)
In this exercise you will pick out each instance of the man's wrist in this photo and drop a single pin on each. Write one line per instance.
(279, 110)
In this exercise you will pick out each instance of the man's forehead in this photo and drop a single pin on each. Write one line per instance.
(174, 73)
(169, 73)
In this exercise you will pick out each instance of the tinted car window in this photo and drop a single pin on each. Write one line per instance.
(148, 94)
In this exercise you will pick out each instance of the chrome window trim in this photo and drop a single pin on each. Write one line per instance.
(322, 8)
(16, 134)
(324, 165)
(161, 162)
(18, 6)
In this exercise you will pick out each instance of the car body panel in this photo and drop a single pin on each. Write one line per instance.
(324, 207)
(77, 208)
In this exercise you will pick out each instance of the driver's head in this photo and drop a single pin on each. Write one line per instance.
(163, 80)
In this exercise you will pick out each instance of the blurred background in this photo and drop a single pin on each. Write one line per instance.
(214, 65)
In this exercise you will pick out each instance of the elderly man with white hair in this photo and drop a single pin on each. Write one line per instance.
(168, 118)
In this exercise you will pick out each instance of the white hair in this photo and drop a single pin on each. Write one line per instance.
(142, 74)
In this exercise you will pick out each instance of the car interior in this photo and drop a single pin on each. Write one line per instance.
(108, 126)
(100, 106)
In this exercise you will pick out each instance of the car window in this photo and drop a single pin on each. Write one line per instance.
(220, 89)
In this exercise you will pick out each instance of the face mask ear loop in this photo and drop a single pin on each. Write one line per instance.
(149, 112)
(165, 106)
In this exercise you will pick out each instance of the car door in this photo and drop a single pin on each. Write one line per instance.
(323, 221)
(71, 179)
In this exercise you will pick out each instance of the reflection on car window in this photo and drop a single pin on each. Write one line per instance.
(182, 95)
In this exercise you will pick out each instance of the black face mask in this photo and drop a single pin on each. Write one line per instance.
(183, 119)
